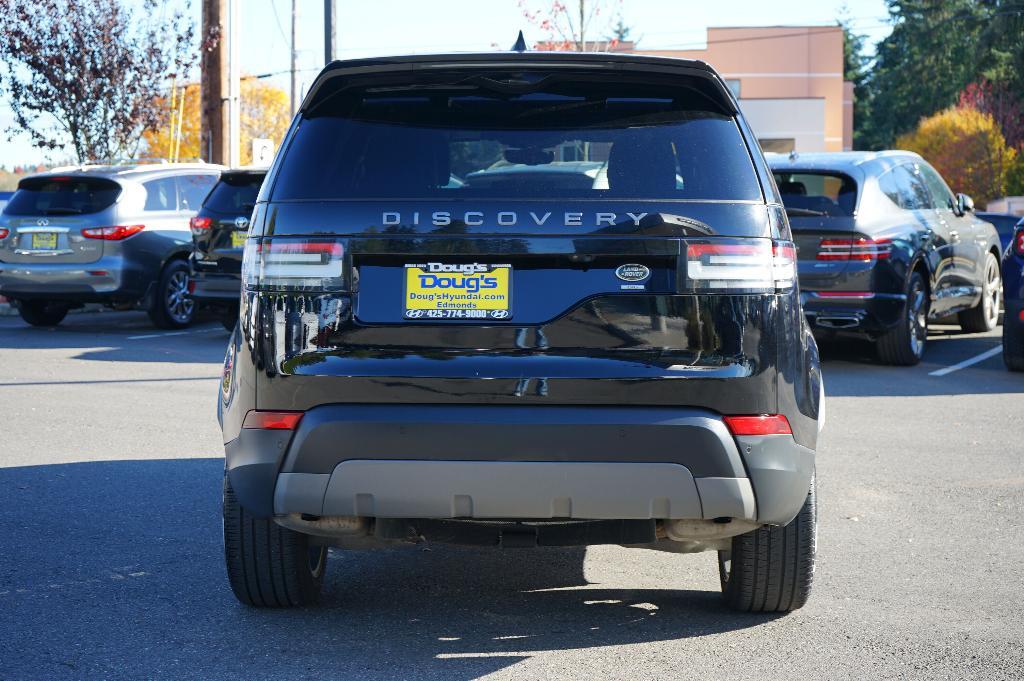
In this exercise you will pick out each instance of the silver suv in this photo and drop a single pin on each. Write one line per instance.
(116, 235)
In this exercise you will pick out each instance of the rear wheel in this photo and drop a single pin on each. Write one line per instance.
(1013, 346)
(42, 312)
(269, 566)
(172, 306)
(771, 568)
(903, 345)
(985, 315)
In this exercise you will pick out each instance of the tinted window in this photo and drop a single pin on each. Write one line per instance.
(62, 196)
(161, 194)
(941, 196)
(192, 189)
(235, 193)
(905, 187)
(578, 140)
(829, 193)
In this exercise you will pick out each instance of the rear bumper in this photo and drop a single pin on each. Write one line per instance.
(872, 314)
(498, 462)
(102, 280)
(216, 287)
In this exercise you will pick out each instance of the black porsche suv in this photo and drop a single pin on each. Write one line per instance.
(519, 300)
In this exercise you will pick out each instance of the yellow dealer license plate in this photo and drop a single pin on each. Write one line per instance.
(238, 238)
(44, 241)
(435, 290)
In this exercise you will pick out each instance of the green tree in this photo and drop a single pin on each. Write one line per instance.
(856, 70)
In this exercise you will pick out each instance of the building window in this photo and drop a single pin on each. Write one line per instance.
(778, 144)
(733, 85)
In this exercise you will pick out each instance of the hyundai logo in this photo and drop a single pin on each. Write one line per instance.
(43, 222)
(242, 223)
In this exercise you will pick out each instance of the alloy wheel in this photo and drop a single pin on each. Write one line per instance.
(992, 291)
(177, 299)
(917, 318)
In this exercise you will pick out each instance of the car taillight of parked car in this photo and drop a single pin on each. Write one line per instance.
(1018, 241)
(860, 249)
(4, 232)
(200, 225)
(294, 265)
(115, 233)
(741, 265)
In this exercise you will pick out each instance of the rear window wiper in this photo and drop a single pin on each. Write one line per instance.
(687, 225)
(805, 212)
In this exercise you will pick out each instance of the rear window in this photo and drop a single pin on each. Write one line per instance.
(587, 140)
(831, 194)
(234, 193)
(62, 196)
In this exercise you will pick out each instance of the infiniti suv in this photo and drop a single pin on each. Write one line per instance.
(520, 359)
(116, 235)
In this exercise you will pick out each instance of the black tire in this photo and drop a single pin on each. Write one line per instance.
(229, 317)
(269, 566)
(172, 307)
(903, 345)
(771, 568)
(1013, 346)
(42, 312)
(985, 315)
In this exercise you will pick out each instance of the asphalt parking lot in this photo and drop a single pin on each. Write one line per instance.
(111, 566)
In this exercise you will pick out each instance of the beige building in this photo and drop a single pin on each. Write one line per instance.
(789, 82)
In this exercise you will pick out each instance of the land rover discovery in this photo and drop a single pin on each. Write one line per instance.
(520, 300)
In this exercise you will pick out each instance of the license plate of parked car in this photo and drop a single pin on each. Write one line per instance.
(44, 241)
(435, 290)
(238, 238)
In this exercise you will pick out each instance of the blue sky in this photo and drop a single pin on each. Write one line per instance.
(416, 26)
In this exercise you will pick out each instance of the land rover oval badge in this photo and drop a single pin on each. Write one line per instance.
(632, 273)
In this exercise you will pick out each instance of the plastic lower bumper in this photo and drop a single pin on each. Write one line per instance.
(491, 462)
(216, 287)
(100, 281)
(866, 313)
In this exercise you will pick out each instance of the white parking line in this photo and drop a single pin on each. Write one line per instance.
(967, 362)
(171, 333)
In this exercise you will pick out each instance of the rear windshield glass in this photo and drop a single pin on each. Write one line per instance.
(829, 194)
(583, 140)
(234, 193)
(62, 196)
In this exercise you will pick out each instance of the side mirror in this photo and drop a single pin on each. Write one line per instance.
(964, 204)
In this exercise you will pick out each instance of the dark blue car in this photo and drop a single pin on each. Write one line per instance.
(1013, 285)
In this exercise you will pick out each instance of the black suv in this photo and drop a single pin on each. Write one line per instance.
(219, 230)
(534, 358)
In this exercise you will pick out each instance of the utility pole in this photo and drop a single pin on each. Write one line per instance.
(295, 90)
(330, 30)
(234, 85)
(213, 80)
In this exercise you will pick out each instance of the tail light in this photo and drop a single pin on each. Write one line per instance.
(4, 232)
(294, 265)
(1018, 241)
(116, 233)
(741, 265)
(272, 420)
(860, 249)
(765, 424)
(200, 226)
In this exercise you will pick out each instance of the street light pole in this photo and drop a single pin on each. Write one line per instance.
(330, 30)
(234, 85)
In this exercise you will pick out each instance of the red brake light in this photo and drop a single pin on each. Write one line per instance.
(272, 420)
(4, 232)
(1018, 241)
(765, 424)
(861, 249)
(755, 264)
(199, 225)
(116, 233)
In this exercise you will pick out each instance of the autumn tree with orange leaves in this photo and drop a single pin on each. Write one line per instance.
(264, 114)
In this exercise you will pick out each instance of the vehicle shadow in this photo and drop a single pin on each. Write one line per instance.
(851, 367)
(120, 337)
(115, 569)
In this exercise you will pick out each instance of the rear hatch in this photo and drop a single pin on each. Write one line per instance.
(220, 228)
(518, 236)
(46, 217)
